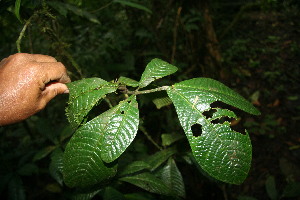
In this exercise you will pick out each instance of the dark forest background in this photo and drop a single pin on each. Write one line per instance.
(252, 46)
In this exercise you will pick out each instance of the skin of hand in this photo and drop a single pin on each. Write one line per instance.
(27, 83)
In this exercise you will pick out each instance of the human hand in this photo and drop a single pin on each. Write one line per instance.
(27, 83)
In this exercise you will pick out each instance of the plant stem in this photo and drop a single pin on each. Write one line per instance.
(136, 92)
(18, 42)
(142, 128)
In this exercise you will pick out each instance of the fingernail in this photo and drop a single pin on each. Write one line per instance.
(66, 92)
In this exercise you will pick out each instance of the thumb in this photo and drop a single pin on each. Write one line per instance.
(53, 90)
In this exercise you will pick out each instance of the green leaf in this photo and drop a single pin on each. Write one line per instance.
(172, 177)
(168, 139)
(85, 196)
(28, 169)
(159, 158)
(162, 102)
(84, 95)
(16, 189)
(17, 9)
(56, 165)
(139, 196)
(83, 165)
(133, 5)
(246, 198)
(105, 137)
(271, 188)
(120, 130)
(128, 81)
(62, 7)
(112, 194)
(43, 153)
(223, 153)
(207, 90)
(134, 167)
(156, 69)
(148, 182)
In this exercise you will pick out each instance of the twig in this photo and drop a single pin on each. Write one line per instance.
(175, 34)
(142, 128)
(22, 33)
(124, 90)
(101, 8)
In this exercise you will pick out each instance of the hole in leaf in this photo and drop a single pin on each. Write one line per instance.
(209, 113)
(197, 130)
(221, 120)
(122, 112)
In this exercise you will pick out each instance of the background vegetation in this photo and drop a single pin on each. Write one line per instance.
(252, 46)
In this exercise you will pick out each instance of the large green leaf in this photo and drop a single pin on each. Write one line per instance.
(120, 130)
(148, 182)
(104, 138)
(83, 165)
(84, 95)
(221, 152)
(154, 70)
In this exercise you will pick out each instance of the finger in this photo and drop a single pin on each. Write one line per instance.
(42, 58)
(54, 72)
(51, 91)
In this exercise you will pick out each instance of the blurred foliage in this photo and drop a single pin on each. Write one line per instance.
(260, 47)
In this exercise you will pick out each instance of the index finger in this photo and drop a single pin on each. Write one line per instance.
(54, 72)
(42, 58)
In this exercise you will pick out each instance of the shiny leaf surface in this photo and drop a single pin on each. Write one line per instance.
(84, 95)
(221, 152)
(120, 130)
(154, 70)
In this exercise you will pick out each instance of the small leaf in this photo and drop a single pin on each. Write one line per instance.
(16, 189)
(133, 5)
(223, 153)
(85, 196)
(17, 9)
(120, 130)
(271, 188)
(246, 198)
(128, 81)
(168, 139)
(160, 157)
(43, 153)
(172, 177)
(156, 69)
(139, 196)
(28, 169)
(134, 167)
(112, 194)
(148, 182)
(84, 95)
(62, 7)
(162, 102)
(56, 165)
